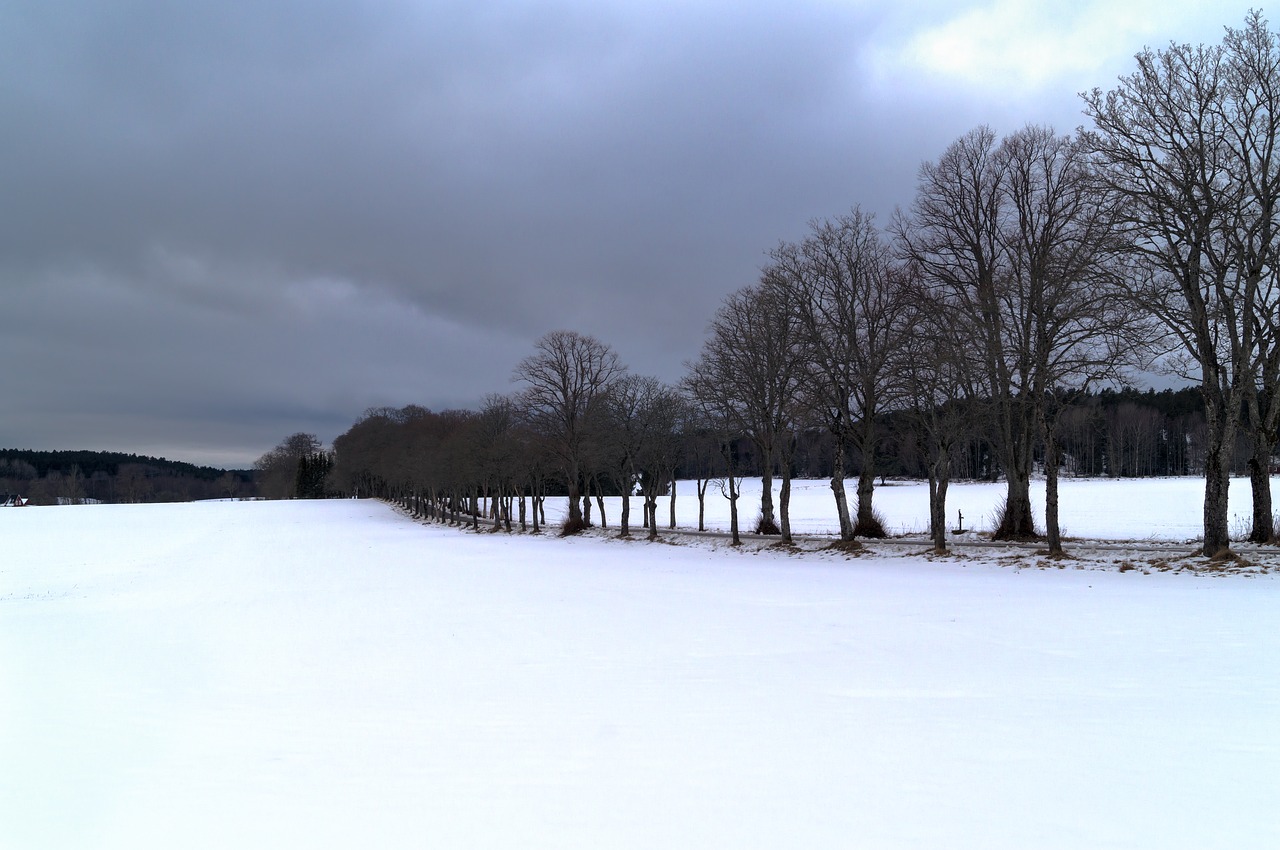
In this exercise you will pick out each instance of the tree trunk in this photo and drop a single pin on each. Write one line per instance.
(939, 478)
(868, 525)
(1017, 522)
(625, 518)
(651, 505)
(784, 504)
(733, 510)
(576, 520)
(1217, 481)
(1052, 531)
(673, 501)
(837, 490)
(702, 484)
(1263, 530)
(1020, 426)
(768, 522)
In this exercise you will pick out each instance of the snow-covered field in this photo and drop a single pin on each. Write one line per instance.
(1160, 509)
(333, 674)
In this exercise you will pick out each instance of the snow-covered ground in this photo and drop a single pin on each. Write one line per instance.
(333, 674)
(1162, 509)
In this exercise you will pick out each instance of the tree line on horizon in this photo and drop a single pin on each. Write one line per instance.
(1031, 274)
(76, 477)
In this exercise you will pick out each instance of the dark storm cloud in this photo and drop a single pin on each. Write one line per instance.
(225, 222)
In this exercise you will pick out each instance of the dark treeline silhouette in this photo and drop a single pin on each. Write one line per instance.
(1126, 433)
(298, 468)
(497, 465)
(1112, 433)
(492, 466)
(71, 477)
(446, 465)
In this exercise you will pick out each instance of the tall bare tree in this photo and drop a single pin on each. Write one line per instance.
(846, 297)
(1017, 240)
(749, 375)
(659, 451)
(1253, 128)
(1069, 319)
(565, 381)
(953, 234)
(940, 382)
(628, 419)
(1165, 134)
(701, 449)
(495, 456)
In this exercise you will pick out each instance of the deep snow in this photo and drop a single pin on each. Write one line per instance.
(332, 674)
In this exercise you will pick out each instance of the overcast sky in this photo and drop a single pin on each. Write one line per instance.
(226, 221)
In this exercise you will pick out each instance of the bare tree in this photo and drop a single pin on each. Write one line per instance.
(940, 382)
(1253, 128)
(625, 420)
(722, 428)
(658, 449)
(565, 380)
(749, 376)
(496, 458)
(845, 295)
(1165, 136)
(953, 233)
(673, 448)
(1069, 319)
(1017, 240)
(701, 450)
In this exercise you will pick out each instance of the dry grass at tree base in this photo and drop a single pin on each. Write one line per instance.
(571, 527)
(766, 527)
(1000, 531)
(873, 528)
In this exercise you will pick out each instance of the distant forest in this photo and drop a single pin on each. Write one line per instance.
(1126, 433)
(74, 477)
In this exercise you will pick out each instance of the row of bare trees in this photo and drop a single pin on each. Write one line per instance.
(1027, 271)
(995, 296)
(580, 424)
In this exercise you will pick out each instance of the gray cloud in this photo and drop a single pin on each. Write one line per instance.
(225, 222)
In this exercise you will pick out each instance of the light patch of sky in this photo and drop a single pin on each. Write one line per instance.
(1020, 46)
